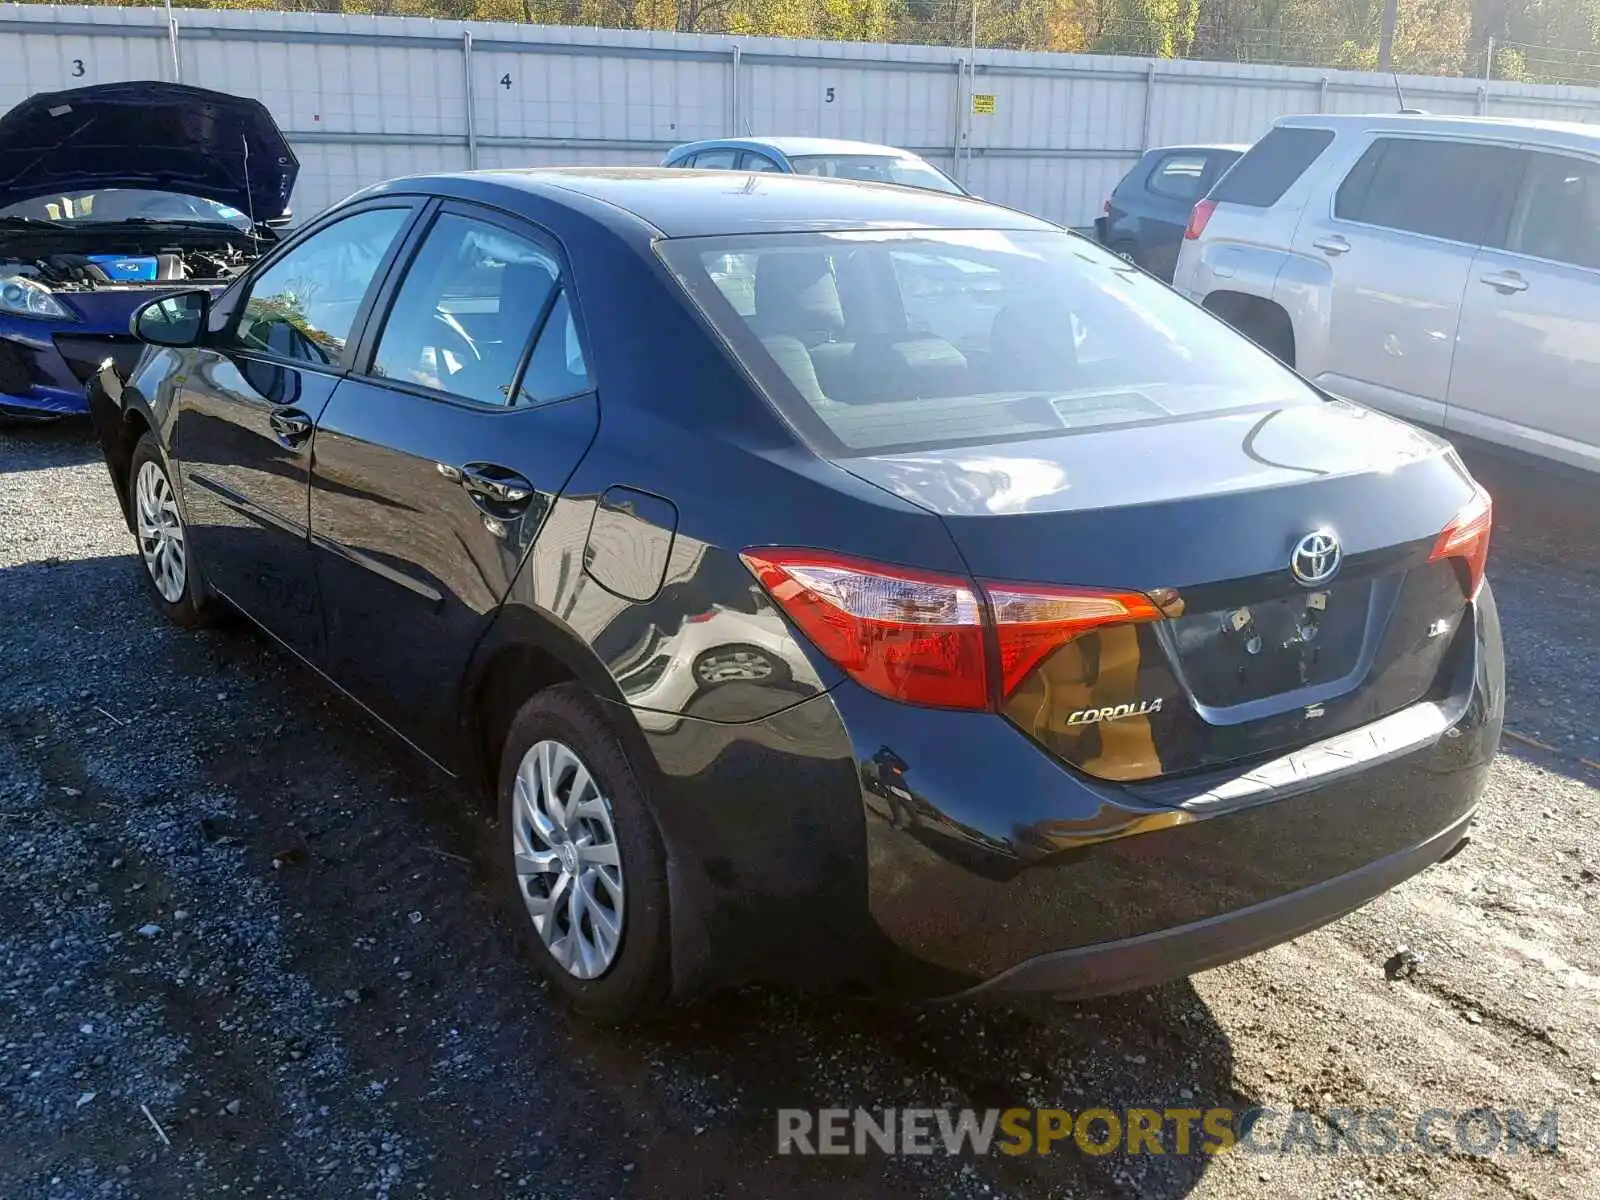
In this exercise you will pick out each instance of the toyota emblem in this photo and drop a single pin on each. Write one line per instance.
(1316, 558)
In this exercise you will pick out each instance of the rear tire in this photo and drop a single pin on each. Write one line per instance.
(166, 562)
(581, 861)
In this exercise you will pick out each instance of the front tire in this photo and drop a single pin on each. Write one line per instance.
(581, 859)
(162, 537)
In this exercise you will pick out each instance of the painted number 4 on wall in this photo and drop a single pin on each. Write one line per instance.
(505, 81)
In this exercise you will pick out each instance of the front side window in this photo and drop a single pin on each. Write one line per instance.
(467, 310)
(1558, 216)
(912, 340)
(758, 162)
(875, 168)
(304, 305)
(1444, 189)
(1178, 176)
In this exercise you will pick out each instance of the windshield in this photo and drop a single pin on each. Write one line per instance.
(875, 168)
(127, 204)
(907, 341)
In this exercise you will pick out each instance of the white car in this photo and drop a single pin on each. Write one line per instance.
(1445, 269)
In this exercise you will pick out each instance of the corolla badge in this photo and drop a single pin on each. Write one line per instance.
(1114, 712)
(1316, 558)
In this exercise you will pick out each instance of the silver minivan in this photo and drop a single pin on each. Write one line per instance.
(1445, 269)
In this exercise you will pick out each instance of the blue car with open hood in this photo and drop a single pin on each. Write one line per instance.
(108, 194)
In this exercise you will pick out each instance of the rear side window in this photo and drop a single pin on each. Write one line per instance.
(1271, 166)
(470, 302)
(716, 160)
(1559, 214)
(1178, 176)
(1454, 190)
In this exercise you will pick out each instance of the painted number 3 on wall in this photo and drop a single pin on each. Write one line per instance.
(77, 68)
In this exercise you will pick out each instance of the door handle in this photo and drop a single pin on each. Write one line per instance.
(1334, 244)
(291, 426)
(1505, 282)
(488, 483)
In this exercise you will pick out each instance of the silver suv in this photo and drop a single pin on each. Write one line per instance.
(1445, 269)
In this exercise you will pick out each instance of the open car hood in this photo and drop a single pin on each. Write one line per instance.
(145, 134)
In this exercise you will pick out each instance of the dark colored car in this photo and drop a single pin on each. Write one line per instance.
(108, 194)
(830, 582)
(1147, 212)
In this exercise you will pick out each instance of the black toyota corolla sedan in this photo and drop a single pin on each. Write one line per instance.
(829, 582)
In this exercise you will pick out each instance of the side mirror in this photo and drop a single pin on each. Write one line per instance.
(175, 320)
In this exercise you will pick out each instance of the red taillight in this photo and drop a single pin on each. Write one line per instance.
(919, 637)
(1467, 538)
(1034, 622)
(906, 635)
(1198, 219)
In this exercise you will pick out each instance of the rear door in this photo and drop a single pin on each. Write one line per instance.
(1527, 362)
(1398, 237)
(247, 406)
(469, 406)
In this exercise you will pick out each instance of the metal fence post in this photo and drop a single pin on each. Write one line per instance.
(958, 93)
(1149, 106)
(472, 116)
(172, 37)
(1322, 94)
(738, 106)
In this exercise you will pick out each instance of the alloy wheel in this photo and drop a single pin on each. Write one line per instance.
(567, 860)
(161, 540)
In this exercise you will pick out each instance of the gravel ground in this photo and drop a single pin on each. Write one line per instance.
(246, 949)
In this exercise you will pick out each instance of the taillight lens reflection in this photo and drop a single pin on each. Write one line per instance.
(1198, 218)
(921, 638)
(1467, 538)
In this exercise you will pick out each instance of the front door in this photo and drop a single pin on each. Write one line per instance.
(437, 460)
(1398, 244)
(247, 408)
(1527, 369)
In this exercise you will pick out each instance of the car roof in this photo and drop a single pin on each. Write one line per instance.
(1182, 146)
(1556, 133)
(665, 201)
(799, 145)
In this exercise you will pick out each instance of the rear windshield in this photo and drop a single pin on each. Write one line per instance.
(875, 168)
(877, 341)
(1271, 166)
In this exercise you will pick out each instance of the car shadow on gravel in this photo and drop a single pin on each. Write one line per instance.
(271, 926)
(30, 447)
(1544, 566)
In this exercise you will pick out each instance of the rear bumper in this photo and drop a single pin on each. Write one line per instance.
(1132, 963)
(936, 854)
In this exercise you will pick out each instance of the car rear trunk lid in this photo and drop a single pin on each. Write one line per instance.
(1290, 549)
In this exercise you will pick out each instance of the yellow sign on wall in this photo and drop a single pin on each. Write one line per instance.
(983, 104)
